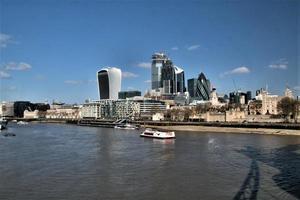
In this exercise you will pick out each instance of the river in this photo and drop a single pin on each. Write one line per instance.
(60, 161)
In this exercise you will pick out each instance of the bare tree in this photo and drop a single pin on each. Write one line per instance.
(288, 107)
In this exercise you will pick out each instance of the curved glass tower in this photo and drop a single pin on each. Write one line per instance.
(109, 82)
(203, 88)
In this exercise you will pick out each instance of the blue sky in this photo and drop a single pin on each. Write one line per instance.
(51, 49)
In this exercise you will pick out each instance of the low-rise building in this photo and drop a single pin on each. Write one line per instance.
(120, 109)
(36, 114)
(63, 113)
(6, 109)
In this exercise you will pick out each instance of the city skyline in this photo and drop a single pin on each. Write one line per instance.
(51, 50)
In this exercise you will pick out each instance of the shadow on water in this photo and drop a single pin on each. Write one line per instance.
(284, 159)
(250, 186)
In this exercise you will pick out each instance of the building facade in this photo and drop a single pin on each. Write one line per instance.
(203, 88)
(168, 78)
(158, 60)
(200, 88)
(109, 82)
(180, 80)
(129, 94)
(6, 109)
(122, 109)
(269, 102)
(192, 87)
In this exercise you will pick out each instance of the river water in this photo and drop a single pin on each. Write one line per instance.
(59, 161)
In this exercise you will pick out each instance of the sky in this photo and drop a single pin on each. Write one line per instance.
(52, 49)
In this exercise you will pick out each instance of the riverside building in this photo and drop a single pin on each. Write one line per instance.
(132, 108)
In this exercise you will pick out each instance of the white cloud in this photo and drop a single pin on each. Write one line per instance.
(4, 75)
(174, 48)
(5, 40)
(73, 82)
(147, 81)
(146, 65)
(129, 75)
(238, 70)
(17, 66)
(193, 47)
(279, 64)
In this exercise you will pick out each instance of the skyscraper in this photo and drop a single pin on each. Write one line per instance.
(192, 86)
(199, 88)
(180, 81)
(172, 78)
(158, 60)
(109, 82)
(203, 87)
(168, 80)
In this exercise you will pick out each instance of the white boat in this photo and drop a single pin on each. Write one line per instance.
(152, 133)
(126, 126)
(22, 123)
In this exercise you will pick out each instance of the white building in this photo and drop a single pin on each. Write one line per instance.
(269, 102)
(36, 114)
(109, 82)
(63, 113)
(288, 93)
(120, 109)
(6, 109)
(107, 109)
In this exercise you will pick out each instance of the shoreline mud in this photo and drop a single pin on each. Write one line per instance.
(211, 129)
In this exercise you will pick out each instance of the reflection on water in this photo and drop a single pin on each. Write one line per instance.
(286, 160)
(50, 161)
(250, 186)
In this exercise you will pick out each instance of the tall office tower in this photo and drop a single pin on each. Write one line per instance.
(180, 81)
(192, 87)
(109, 82)
(203, 88)
(158, 60)
(168, 78)
(249, 96)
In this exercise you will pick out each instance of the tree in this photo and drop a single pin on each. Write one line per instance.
(187, 112)
(288, 107)
(202, 108)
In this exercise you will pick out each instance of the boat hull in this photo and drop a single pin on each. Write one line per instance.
(157, 134)
(157, 137)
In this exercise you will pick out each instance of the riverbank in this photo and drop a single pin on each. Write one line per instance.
(207, 129)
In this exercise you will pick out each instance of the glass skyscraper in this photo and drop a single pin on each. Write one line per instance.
(199, 88)
(158, 60)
